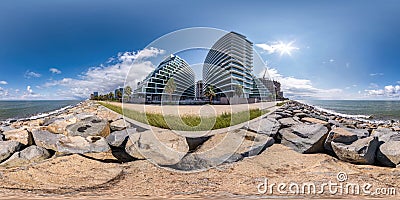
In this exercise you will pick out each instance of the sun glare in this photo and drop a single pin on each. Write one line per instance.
(285, 48)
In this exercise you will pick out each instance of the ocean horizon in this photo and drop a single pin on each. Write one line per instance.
(376, 110)
(21, 109)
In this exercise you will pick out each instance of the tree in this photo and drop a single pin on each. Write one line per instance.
(170, 88)
(128, 90)
(110, 96)
(239, 90)
(119, 94)
(210, 93)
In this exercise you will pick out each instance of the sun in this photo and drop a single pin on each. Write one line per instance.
(285, 48)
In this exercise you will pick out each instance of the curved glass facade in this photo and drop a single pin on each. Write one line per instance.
(152, 88)
(229, 63)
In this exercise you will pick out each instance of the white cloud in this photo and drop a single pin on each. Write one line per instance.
(103, 79)
(30, 74)
(389, 91)
(29, 89)
(277, 47)
(376, 74)
(331, 60)
(55, 71)
(145, 53)
(3, 83)
(302, 88)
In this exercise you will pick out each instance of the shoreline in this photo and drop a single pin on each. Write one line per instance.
(355, 118)
(40, 115)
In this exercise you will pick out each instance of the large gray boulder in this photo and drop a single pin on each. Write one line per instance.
(225, 148)
(81, 145)
(361, 151)
(163, 147)
(119, 125)
(314, 121)
(266, 126)
(7, 148)
(59, 126)
(46, 139)
(385, 134)
(117, 138)
(305, 138)
(288, 122)
(344, 135)
(388, 153)
(91, 126)
(19, 135)
(29, 155)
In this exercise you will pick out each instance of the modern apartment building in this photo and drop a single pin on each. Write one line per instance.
(153, 88)
(228, 65)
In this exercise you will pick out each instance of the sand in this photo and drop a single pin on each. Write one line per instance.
(81, 177)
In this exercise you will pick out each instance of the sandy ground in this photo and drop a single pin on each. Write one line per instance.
(79, 177)
(194, 109)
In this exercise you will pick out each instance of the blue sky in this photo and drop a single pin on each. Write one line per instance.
(59, 49)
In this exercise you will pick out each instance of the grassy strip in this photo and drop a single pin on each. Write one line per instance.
(281, 103)
(188, 122)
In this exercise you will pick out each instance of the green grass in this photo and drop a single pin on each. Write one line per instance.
(281, 103)
(188, 122)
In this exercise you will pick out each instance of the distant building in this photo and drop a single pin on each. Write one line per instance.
(91, 96)
(274, 87)
(199, 90)
(96, 94)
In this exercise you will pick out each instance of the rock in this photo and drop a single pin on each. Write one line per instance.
(36, 122)
(301, 115)
(396, 128)
(225, 148)
(7, 148)
(19, 135)
(160, 146)
(81, 145)
(46, 139)
(108, 115)
(385, 134)
(91, 126)
(266, 126)
(83, 116)
(274, 116)
(305, 138)
(388, 153)
(130, 149)
(361, 151)
(319, 116)
(314, 121)
(117, 138)
(60, 126)
(287, 122)
(29, 155)
(333, 123)
(119, 125)
(344, 135)
(283, 114)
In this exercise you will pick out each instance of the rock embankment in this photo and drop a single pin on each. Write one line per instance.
(91, 130)
(84, 129)
(308, 130)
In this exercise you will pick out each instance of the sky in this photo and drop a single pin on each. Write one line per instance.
(67, 49)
